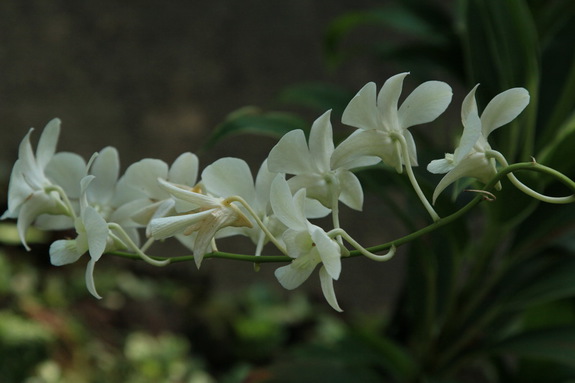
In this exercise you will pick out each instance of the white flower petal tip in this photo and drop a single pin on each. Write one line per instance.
(503, 109)
(328, 290)
(90, 279)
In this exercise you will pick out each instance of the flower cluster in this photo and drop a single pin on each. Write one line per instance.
(301, 180)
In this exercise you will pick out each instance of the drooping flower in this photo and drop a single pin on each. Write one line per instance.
(93, 236)
(324, 178)
(199, 213)
(308, 244)
(31, 193)
(382, 124)
(470, 158)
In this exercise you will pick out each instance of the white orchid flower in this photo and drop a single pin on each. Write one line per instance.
(143, 198)
(31, 193)
(314, 167)
(383, 127)
(231, 177)
(470, 158)
(200, 213)
(94, 236)
(308, 244)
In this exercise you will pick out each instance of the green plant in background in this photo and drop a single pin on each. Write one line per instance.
(488, 299)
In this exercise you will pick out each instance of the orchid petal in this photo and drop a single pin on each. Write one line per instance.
(143, 176)
(321, 142)
(358, 162)
(90, 279)
(360, 144)
(387, 100)
(471, 127)
(165, 227)
(327, 289)
(207, 231)
(290, 277)
(196, 199)
(263, 185)
(50, 222)
(66, 170)
(63, 252)
(503, 108)
(424, 104)
(29, 167)
(284, 207)
(18, 191)
(441, 166)
(329, 251)
(411, 148)
(38, 203)
(47, 143)
(362, 112)
(351, 190)
(229, 177)
(291, 154)
(297, 242)
(314, 185)
(97, 232)
(184, 170)
(315, 209)
(106, 168)
(137, 212)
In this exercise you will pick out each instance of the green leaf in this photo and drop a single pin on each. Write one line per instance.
(559, 153)
(553, 223)
(393, 356)
(543, 283)
(317, 96)
(557, 101)
(254, 121)
(424, 22)
(551, 17)
(553, 344)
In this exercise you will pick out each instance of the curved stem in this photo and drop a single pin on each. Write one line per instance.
(526, 189)
(127, 240)
(397, 242)
(147, 245)
(399, 138)
(376, 257)
(335, 207)
(259, 222)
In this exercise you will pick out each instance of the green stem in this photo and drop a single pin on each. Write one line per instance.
(340, 233)
(258, 221)
(397, 242)
(128, 241)
(399, 138)
(526, 189)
